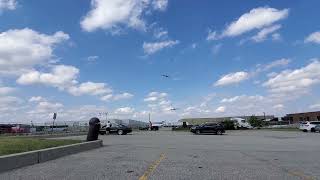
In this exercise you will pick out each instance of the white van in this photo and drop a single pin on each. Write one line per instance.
(308, 126)
(241, 123)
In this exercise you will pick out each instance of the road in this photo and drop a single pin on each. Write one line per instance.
(180, 155)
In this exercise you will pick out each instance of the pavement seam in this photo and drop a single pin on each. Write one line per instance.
(152, 167)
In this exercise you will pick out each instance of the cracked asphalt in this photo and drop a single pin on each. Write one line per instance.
(251, 154)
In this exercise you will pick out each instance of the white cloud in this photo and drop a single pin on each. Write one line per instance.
(276, 37)
(232, 78)
(117, 97)
(160, 33)
(90, 88)
(92, 59)
(155, 96)
(262, 35)
(242, 98)
(8, 5)
(124, 110)
(158, 102)
(314, 106)
(212, 35)
(220, 109)
(6, 90)
(297, 81)
(313, 38)
(22, 49)
(36, 99)
(194, 45)
(47, 107)
(123, 96)
(160, 4)
(278, 106)
(255, 19)
(277, 63)
(106, 97)
(112, 14)
(62, 76)
(151, 48)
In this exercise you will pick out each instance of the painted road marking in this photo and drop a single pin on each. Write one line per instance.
(152, 167)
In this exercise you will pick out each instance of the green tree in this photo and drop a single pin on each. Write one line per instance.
(255, 122)
(228, 124)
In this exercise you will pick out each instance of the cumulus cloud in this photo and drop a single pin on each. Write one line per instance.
(36, 99)
(232, 78)
(297, 81)
(159, 102)
(8, 5)
(124, 110)
(110, 14)
(262, 35)
(313, 38)
(22, 49)
(123, 96)
(160, 4)
(46, 107)
(314, 106)
(117, 97)
(220, 109)
(278, 106)
(90, 88)
(151, 48)
(242, 98)
(92, 59)
(212, 35)
(255, 19)
(62, 76)
(6, 90)
(155, 96)
(160, 33)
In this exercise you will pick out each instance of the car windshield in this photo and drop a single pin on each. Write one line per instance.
(159, 89)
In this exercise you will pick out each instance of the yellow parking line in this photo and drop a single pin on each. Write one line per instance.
(301, 175)
(152, 167)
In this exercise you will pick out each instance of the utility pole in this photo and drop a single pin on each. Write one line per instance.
(54, 118)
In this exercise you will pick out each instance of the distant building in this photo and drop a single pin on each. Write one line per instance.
(301, 117)
(196, 121)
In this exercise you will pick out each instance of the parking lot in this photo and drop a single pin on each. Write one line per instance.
(251, 154)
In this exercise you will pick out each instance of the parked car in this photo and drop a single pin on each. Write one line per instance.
(208, 128)
(115, 128)
(317, 128)
(145, 128)
(309, 126)
(241, 123)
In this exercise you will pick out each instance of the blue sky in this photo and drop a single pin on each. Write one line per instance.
(81, 58)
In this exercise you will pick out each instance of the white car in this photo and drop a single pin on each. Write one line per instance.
(308, 126)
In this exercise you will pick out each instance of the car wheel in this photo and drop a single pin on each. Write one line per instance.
(198, 132)
(120, 132)
(313, 130)
(219, 132)
(305, 130)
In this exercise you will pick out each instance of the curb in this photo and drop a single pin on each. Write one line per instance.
(13, 161)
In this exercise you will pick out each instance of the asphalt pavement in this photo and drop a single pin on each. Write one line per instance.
(251, 154)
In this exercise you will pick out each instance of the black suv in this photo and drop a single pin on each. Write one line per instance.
(115, 128)
(208, 128)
